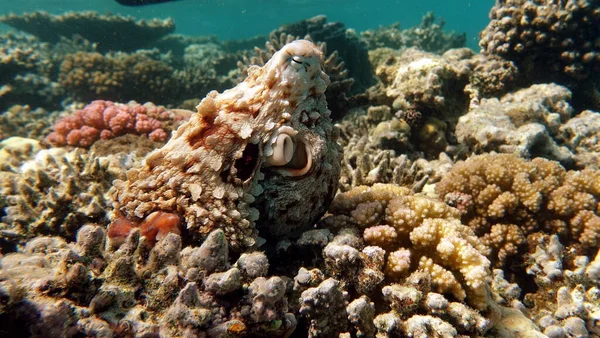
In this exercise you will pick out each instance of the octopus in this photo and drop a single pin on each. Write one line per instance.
(259, 157)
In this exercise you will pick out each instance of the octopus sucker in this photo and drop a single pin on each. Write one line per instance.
(259, 157)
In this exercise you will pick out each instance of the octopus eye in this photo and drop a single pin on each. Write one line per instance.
(298, 62)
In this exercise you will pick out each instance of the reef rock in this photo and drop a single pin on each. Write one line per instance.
(260, 155)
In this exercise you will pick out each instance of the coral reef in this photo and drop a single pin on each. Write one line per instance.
(375, 146)
(408, 253)
(204, 67)
(491, 76)
(117, 77)
(54, 193)
(242, 148)
(24, 121)
(525, 122)
(504, 199)
(581, 134)
(428, 36)
(81, 289)
(16, 150)
(106, 119)
(429, 83)
(110, 32)
(261, 218)
(565, 300)
(548, 41)
(26, 67)
(418, 233)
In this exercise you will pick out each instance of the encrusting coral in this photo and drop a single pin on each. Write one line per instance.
(261, 153)
(525, 122)
(505, 198)
(580, 135)
(106, 119)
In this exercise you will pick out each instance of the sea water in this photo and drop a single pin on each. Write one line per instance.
(237, 19)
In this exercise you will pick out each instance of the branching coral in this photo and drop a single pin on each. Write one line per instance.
(26, 72)
(428, 36)
(378, 149)
(24, 121)
(55, 193)
(418, 233)
(565, 302)
(505, 198)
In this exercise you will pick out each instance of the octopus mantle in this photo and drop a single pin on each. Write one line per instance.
(261, 156)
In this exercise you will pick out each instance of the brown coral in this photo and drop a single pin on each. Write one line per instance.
(88, 76)
(55, 194)
(549, 41)
(536, 195)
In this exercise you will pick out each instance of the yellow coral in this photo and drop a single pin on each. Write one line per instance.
(529, 195)
(456, 247)
(383, 236)
(417, 226)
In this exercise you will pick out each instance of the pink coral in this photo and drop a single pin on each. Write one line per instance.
(106, 119)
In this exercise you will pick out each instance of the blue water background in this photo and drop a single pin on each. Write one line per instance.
(235, 19)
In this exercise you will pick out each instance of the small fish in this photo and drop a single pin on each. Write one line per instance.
(141, 2)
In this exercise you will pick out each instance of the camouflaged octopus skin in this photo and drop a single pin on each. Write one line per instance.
(260, 155)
